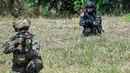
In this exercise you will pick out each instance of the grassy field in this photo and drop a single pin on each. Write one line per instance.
(64, 50)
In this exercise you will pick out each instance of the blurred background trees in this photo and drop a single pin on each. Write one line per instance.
(35, 8)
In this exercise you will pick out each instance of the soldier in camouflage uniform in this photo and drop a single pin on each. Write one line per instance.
(90, 19)
(24, 47)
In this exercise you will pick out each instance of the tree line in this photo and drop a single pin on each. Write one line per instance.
(35, 8)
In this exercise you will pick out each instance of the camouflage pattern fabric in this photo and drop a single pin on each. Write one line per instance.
(23, 54)
(91, 20)
(21, 24)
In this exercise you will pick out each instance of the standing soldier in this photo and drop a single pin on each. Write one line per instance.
(90, 19)
(24, 47)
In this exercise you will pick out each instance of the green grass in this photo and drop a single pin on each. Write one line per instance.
(64, 50)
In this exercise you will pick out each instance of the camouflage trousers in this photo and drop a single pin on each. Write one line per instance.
(33, 66)
(16, 69)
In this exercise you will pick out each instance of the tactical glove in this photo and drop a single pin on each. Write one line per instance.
(86, 22)
(15, 42)
(22, 41)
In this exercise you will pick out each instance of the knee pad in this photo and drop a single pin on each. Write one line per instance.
(86, 31)
(34, 65)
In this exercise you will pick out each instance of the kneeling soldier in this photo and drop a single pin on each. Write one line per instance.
(24, 47)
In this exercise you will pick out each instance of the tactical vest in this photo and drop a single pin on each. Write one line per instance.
(21, 56)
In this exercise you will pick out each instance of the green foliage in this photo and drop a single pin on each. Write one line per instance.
(79, 4)
(45, 9)
(29, 3)
(18, 8)
(127, 17)
(101, 5)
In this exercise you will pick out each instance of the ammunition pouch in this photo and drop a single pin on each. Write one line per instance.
(19, 58)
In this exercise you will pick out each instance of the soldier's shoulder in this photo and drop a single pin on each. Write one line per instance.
(30, 35)
(35, 39)
(10, 38)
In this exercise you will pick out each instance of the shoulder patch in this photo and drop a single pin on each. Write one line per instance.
(82, 14)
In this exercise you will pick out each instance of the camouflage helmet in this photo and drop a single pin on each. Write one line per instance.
(21, 24)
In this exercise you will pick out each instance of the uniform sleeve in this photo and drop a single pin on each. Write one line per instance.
(9, 45)
(82, 21)
(98, 18)
(35, 44)
(33, 52)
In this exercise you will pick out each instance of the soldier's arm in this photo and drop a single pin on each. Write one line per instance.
(9, 45)
(35, 44)
(98, 18)
(84, 21)
(33, 53)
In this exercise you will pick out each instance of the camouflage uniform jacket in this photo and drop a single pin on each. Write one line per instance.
(88, 18)
(30, 51)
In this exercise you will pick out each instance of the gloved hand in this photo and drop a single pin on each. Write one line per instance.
(15, 42)
(21, 41)
(88, 21)
(18, 43)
